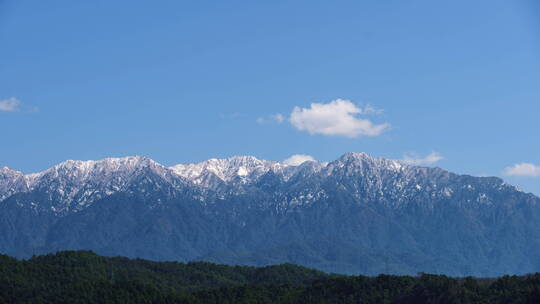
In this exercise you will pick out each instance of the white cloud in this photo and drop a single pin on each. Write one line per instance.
(298, 159)
(339, 117)
(10, 105)
(275, 118)
(415, 160)
(523, 169)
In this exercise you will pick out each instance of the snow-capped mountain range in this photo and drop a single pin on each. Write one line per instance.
(78, 183)
(115, 172)
(86, 181)
(348, 215)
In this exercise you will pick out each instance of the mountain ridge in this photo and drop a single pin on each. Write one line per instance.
(225, 169)
(358, 214)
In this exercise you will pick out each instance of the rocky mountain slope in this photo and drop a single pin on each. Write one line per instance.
(357, 214)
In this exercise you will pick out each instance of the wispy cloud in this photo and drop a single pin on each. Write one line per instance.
(10, 105)
(415, 160)
(369, 109)
(275, 118)
(298, 159)
(15, 105)
(339, 117)
(278, 118)
(523, 169)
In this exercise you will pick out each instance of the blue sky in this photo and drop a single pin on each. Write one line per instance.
(183, 81)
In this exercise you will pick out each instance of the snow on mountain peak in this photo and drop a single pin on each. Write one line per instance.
(363, 159)
(10, 182)
(226, 169)
(74, 185)
(113, 173)
(6, 171)
(82, 181)
(81, 171)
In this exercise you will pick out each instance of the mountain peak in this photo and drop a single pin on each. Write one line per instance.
(356, 154)
(226, 169)
(107, 164)
(9, 171)
(362, 159)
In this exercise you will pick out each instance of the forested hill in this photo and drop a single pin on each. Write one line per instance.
(85, 277)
